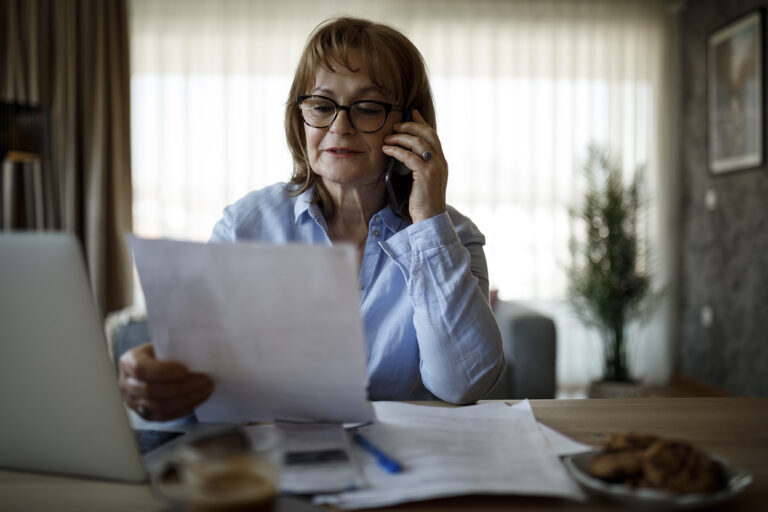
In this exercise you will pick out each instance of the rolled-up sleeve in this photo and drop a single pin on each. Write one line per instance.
(461, 354)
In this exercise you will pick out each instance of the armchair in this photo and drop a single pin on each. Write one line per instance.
(530, 348)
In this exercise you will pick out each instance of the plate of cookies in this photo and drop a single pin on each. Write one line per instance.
(649, 472)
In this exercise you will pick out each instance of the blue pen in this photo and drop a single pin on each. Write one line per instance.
(384, 460)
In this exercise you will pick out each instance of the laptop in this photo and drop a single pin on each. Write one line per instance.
(61, 410)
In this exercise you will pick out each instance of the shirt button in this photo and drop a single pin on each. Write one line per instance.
(362, 287)
(377, 219)
(376, 232)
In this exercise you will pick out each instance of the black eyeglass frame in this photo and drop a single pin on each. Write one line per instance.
(388, 107)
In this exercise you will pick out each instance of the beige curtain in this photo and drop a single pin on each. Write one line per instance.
(71, 56)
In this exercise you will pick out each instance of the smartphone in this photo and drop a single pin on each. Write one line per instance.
(399, 178)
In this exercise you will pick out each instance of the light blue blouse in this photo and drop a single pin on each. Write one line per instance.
(429, 330)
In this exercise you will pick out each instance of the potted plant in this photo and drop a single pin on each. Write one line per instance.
(608, 277)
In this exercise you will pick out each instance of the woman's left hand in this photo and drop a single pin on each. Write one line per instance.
(430, 174)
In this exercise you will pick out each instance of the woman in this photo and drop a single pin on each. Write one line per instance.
(423, 275)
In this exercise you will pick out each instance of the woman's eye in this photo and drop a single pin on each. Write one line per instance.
(369, 109)
(322, 109)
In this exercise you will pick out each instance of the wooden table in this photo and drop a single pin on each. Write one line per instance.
(736, 428)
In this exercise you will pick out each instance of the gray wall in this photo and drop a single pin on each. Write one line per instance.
(724, 250)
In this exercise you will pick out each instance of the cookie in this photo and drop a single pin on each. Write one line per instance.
(642, 460)
(616, 466)
(681, 468)
(631, 441)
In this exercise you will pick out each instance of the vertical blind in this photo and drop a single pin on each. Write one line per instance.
(522, 88)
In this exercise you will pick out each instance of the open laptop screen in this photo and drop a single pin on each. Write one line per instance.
(61, 407)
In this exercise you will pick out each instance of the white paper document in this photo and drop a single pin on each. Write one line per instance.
(278, 328)
(479, 449)
(560, 444)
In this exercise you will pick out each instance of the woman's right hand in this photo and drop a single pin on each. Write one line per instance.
(160, 390)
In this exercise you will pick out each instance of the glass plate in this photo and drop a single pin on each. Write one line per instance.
(650, 499)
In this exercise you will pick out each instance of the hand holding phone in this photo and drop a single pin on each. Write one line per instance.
(417, 175)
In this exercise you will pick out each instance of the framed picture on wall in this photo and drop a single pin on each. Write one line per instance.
(735, 95)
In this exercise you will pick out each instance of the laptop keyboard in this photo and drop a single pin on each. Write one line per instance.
(151, 439)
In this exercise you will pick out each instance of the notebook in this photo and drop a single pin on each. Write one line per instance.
(60, 406)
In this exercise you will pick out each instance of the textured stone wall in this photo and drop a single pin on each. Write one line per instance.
(724, 259)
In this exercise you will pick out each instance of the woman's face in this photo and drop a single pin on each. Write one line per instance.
(339, 153)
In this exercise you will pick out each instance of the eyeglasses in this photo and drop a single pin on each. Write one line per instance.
(367, 116)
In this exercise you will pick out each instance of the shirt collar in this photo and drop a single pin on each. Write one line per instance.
(391, 220)
(303, 205)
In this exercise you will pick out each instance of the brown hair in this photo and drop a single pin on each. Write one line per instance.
(394, 63)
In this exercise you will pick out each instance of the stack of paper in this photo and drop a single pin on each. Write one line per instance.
(480, 449)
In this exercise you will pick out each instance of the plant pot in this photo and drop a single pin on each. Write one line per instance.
(613, 389)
